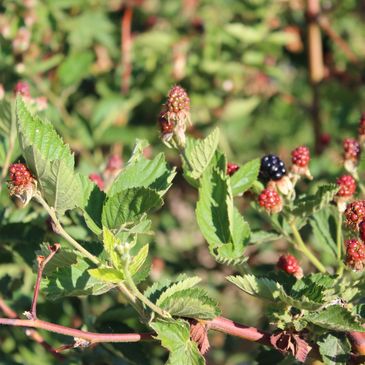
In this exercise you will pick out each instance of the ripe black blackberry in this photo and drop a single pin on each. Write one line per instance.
(272, 168)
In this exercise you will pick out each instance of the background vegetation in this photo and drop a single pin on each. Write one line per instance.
(104, 68)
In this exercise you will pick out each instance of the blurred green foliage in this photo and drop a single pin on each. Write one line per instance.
(244, 66)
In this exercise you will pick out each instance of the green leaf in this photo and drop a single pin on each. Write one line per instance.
(72, 280)
(109, 275)
(185, 283)
(306, 206)
(260, 287)
(138, 260)
(190, 303)
(153, 174)
(259, 237)
(128, 206)
(75, 67)
(49, 159)
(322, 229)
(5, 117)
(220, 222)
(199, 153)
(92, 207)
(175, 336)
(335, 349)
(335, 318)
(243, 179)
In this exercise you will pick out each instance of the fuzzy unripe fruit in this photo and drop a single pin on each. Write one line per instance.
(347, 186)
(232, 168)
(178, 100)
(301, 156)
(351, 149)
(22, 184)
(271, 201)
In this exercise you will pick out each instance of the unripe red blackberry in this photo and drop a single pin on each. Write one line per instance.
(347, 186)
(22, 184)
(97, 179)
(22, 88)
(232, 168)
(290, 265)
(355, 213)
(301, 156)
(355, 254)
(351, 148)
(19, 174)
(178, 100)
(271, 201)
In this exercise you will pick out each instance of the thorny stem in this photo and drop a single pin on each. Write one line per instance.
(60, 230)
(302, 247)
(42, 262)
(12, 138)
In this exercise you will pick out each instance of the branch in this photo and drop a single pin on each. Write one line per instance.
(42, 262)
(91, 337)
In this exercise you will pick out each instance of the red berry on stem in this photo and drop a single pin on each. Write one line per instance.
(271, 201)
(178, 100)
(347, 186)
(20, 174)
(351, 148)
(290, 265)
(355, 213)
(355, 254)
(166, 126)
(301, 156)
(232, 168)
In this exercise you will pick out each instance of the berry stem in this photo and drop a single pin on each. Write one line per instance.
(60, 230)
(141, 297)
(302, 247)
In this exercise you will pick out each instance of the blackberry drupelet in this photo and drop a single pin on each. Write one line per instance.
(272, 168)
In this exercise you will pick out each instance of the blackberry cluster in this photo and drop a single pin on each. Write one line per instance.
(271, 201)
(301, 156)
(272, 168)
(178, 100)
(355, 214)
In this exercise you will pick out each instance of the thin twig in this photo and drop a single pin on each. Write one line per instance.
(42, 262)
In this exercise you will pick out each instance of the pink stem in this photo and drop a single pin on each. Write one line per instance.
(42, 262)
(88, 336)
(232, 328)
